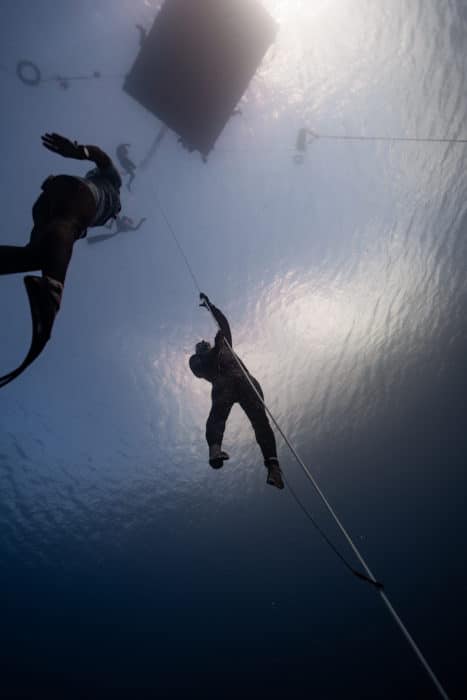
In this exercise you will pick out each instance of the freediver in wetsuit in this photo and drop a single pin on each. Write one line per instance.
(67, 206)
(123, 224)
(230, 385)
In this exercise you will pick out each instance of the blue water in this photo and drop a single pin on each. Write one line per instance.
(126, 563)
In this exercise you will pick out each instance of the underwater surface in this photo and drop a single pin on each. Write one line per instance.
(128, 564)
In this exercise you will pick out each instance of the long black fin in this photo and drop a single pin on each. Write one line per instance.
(38, 340)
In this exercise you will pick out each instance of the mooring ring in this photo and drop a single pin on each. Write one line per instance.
(25, 67)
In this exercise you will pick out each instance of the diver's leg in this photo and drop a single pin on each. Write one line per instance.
(67, 199)
(60, 215)
(45, 294)
(57, 242)
(259, 420)
(222, 402)
(18, 259)
(256, 413)
(26, 258)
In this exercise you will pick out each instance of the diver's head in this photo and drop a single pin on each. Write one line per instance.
(202, 347)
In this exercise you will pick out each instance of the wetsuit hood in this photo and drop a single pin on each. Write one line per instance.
(202, 347)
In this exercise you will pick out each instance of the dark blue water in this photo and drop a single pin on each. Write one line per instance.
(127, 565)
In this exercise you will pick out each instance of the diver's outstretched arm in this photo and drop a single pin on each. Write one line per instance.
(71, 149)
(225, 331)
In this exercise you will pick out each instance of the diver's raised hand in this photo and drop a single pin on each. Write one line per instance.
(62, 146)
(204, 300)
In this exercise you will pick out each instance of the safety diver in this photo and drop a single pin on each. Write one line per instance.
(62, 214)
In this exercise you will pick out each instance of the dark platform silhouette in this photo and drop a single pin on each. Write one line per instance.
(196, 63)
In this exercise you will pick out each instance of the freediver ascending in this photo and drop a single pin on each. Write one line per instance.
(123, 224)
(67, 206)
(127, 164)
(230, 385)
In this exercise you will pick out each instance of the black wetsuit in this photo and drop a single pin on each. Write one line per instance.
(229, 386)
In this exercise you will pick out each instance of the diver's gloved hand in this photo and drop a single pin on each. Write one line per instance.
(63, 146)
(205, 300)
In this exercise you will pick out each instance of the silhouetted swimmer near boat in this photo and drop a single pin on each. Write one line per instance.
(127, 164)
(62, 214)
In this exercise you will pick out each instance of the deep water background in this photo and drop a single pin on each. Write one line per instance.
(127, 565)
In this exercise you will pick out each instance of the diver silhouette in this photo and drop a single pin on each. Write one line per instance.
(123, 224)
(127, 164)
(67, 206)
(218, 366)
